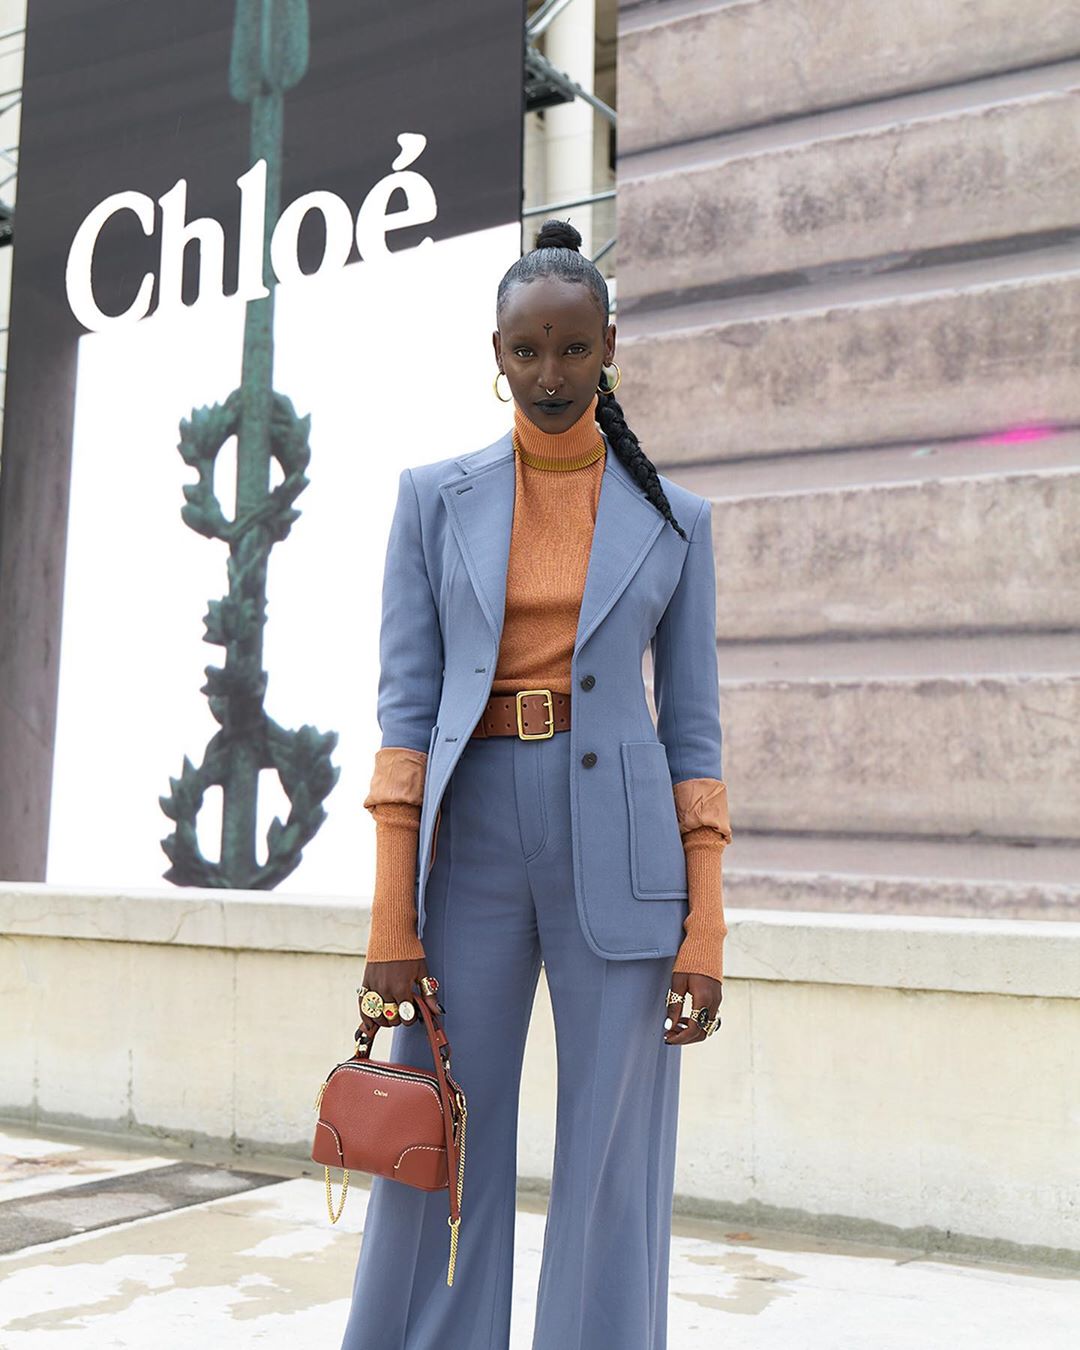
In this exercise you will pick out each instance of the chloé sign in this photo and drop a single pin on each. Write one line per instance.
(372, 224)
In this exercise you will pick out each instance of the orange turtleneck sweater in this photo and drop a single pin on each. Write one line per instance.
(556, 494)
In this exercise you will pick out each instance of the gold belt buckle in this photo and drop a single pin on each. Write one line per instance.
(536, 735)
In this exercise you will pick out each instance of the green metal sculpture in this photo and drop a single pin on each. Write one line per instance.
(269, 55)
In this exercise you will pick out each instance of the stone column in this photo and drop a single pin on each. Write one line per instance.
(569, 45)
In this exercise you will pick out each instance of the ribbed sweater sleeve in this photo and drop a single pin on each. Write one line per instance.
(702, 809)
(394, 799)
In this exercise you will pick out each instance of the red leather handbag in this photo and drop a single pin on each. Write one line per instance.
(396, 1121)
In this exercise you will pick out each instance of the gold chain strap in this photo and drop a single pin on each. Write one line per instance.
(345, 1184)
(329, 1200)
(455, 1224)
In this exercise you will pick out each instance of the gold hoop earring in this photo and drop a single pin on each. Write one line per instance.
(496, 385)
(603, 389)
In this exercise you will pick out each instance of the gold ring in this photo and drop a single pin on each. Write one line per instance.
(705, 1022)
(371, 1005)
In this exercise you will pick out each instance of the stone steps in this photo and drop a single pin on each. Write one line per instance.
(849, 314)
(963, 555)
(979, 347)
(891, 874)
(937, 755)
(690, 69)
(880, 181)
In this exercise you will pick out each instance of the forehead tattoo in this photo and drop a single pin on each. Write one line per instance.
(547, 328)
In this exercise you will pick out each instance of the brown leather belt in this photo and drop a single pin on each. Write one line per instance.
(531, 714)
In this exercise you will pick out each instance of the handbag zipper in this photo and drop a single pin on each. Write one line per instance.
(393, 1073)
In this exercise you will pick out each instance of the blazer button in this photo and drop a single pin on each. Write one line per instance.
(588, 681)
(588, 759)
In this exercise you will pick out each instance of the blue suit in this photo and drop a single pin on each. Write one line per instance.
(444, 595)
(562, 853)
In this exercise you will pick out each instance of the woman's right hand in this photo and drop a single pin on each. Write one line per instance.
(395, 981)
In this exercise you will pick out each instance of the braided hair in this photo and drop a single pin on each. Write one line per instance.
(557, 253)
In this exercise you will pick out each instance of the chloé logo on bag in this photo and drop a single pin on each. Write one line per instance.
(379, 1093)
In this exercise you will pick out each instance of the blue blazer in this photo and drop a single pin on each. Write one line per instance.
(443, 603)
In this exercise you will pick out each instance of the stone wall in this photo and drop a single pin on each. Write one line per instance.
(902, 1079)
(849, 312)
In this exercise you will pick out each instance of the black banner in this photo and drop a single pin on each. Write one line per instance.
(314, 201)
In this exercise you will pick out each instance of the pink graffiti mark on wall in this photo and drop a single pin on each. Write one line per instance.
(1032, 431)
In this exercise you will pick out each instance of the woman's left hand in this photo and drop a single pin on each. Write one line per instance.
(705, 992)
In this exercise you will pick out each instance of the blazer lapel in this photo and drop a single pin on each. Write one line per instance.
(480, 507)
(627, 525)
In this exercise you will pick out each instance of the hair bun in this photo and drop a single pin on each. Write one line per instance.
(558, 234)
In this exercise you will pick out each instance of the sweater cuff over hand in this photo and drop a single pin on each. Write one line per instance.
(394, 799)
(398, 776)
(701, 802)
(701, 807)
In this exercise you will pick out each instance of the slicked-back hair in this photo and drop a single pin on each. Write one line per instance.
(557, 254)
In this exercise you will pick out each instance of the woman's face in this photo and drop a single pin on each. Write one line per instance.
(551, 335)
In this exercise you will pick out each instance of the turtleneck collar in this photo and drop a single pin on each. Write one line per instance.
(573, 448)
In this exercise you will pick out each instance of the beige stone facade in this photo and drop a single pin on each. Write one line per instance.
(849, 312)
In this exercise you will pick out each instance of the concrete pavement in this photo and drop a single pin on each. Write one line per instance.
(118, 1247)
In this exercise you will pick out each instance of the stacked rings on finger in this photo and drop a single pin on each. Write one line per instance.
(372, 1004)
(699, 1015)
(705, 1022)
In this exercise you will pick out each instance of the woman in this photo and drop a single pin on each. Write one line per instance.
(557, 825)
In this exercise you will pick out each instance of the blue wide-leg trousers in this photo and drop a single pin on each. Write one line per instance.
(500, 900)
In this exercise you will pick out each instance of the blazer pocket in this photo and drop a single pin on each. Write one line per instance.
(657, 857)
